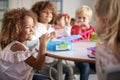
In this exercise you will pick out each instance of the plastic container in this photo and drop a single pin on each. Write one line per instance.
(59, 46)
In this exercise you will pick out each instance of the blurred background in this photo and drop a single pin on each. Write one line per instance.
(65, 6)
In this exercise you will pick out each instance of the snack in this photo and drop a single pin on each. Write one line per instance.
(59, 46)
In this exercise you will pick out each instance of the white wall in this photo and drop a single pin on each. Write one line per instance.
(21, 3)
(70, 6)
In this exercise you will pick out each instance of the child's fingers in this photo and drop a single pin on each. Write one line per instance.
(68, 16)
(48, 36)
(36, 49)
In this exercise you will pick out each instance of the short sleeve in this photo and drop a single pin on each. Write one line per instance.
(16, 57)
(68, 30)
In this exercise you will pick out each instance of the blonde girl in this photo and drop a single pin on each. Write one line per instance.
(107, 26)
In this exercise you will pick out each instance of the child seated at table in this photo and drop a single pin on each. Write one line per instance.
(62, 28)
(45, 12)
(62, 25)
(82, 27)
(16, 60)
(72, 22)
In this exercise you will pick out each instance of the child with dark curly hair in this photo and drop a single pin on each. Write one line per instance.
(16, 60)
(45, 12)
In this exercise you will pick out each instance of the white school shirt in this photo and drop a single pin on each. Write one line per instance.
(34, 43)
(12, 64)
(66, 31)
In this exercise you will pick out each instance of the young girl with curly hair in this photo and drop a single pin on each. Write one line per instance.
(16, 60)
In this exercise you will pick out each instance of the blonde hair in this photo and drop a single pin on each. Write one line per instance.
(84, 10)
(109, 10)
(12, 25)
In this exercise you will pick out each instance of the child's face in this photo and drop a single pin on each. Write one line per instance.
(72, 23)
(46, 16)
(28, 29)
(83, 21)
(62, 22)
(98, 25)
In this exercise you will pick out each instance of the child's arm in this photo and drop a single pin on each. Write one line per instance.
(67, 27)
(39, 61)
(67, 20)
(53, 35)
(21, 50)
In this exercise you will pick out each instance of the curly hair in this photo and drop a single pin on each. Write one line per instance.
(12, 25)
(38, 7)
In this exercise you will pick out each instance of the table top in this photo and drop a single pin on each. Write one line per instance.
(78, 53)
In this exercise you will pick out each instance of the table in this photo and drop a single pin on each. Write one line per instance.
(78, 53)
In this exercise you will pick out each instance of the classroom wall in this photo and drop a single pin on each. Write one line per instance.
(68, 6)
(71, 5)
(21, 3)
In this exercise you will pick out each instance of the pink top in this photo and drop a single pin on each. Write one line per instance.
(105, 58)
(12, 63)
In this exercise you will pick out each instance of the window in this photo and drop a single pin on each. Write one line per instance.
(58, 4)
(3, 7)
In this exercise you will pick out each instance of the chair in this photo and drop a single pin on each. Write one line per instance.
(111, 73)
(1, 74)
(49, 66)
(75, 69)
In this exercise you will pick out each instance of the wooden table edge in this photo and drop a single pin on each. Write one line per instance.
(71, 59)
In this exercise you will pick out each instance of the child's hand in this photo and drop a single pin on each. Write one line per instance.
(45, 38)
(67, 19)
(53, 34)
